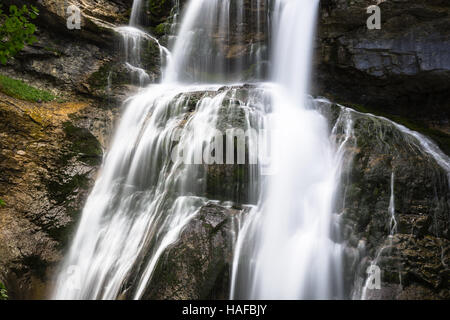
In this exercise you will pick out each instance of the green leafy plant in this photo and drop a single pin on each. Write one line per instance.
(16, 31)
(3, 292)
(2, 203)
(20, 90)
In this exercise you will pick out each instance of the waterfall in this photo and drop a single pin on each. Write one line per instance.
(133, 39)
(144, 196)
(154, 178)
(136, 10)
(284, 251)
(392, 230)
(146, 191)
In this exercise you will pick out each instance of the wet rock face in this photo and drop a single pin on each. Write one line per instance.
(403, 68)
(49, 159)
(414, 261)
(198, 265)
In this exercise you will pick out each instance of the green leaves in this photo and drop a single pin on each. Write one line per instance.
(2, 203)
(16, 31)
(3, 292)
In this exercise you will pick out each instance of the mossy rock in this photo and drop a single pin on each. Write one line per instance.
(377, 149)
(109, 71)
(161, 29)
(159, 10)
(150, 57)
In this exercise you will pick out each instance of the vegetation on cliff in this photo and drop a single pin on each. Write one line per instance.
(16, 31)
(20, 90)
(3, 292)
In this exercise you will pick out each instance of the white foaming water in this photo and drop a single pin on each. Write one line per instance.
(132, 40)
(284, 251)
(136, 10)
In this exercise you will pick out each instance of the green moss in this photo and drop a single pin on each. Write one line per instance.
(112, 70)
(160, 29)
(441, 138)
(2, 203)
(150, 56)
(54, 51)
(99, 79)
(20, 90)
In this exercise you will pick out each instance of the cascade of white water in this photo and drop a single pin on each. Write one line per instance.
(144, 195)
(147, 193)
(136, 11)
(133, 38)
(391, 209)
(193, 53)
(285, 250)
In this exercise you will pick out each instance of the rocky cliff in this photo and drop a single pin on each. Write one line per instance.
(401, 69)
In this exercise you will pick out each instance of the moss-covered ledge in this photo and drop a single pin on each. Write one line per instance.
(439, 136)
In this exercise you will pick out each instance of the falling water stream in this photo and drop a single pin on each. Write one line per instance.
(145, 196)
(292, 221)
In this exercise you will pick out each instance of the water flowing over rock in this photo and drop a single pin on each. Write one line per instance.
(391, 172)
(285, 250)
(148, 191)
(145, 205)
(218, 39)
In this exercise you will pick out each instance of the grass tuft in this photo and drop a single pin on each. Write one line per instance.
(20, 90)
